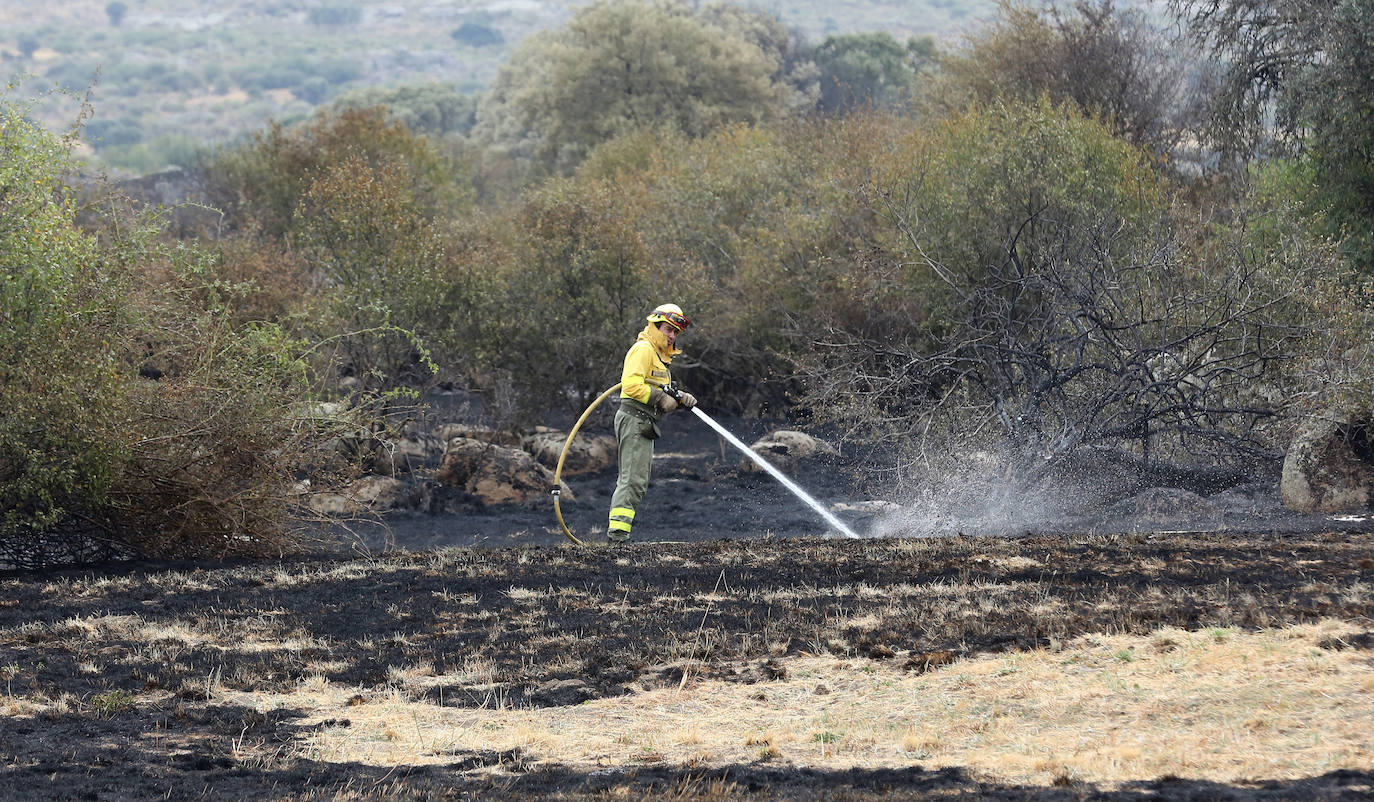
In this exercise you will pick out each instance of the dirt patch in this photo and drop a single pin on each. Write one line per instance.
(136, 681)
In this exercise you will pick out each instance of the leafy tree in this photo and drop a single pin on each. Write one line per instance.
(619, 65)
(1028, 288)
(116, 11)
(472, 34)
(796, 67)
(1108, 61)
(260, 185)
(1297, 80)
(430, 109)
(578, 289)
(870, 69)
(359, 196)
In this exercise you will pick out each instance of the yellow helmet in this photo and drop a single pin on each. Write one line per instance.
(671, 314)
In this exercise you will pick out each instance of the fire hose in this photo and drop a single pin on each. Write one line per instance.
(558, 472)
(722, 431)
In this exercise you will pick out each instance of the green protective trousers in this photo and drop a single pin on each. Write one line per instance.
(636, 437)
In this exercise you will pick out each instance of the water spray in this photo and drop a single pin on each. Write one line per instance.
(777, 474)
(723, 432)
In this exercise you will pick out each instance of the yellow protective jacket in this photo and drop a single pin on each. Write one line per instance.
(646, 365)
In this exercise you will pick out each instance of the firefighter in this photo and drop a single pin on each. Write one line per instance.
(646, 395)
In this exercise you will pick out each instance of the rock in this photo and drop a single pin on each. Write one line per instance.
(407, 453)
(1168, 506)
(786, 449)
(496, 474)
(334, 505)
(380, 493)
(588, 453)
(448, 431)
(360, 446)
(1328, 466)
(368, 494)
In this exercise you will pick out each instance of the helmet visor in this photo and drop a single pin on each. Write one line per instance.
(679, 322)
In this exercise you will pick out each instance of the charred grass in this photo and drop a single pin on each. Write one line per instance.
(1220, 666)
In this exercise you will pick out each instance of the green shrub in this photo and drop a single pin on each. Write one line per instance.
(334, 14)
(471, 34)
(359, 195)
(736, 224)
(1029, 285)
(137, 418)
(363, 233)
(576, 295)
(259, 185)
(111, 703)
(432, 109)
(312, 90)
(111, 133)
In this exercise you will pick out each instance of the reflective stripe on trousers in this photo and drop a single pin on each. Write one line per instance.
(622, 520)
(635, 437)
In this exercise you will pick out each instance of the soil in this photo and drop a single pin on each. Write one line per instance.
(127, 664)
(699, 492)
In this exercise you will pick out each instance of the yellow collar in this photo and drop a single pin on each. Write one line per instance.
(659, 341)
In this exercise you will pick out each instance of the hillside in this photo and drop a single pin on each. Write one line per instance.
(171, 77)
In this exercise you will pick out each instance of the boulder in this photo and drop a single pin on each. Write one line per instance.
(1328, 466)
(496, 474)
(407, 453)
(786, 449)
(448, 431)
(381, 493)
(588, 453)
(368, 494)
(334, 505)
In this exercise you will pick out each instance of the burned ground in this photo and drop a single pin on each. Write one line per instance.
(126, 670)
(175, 680)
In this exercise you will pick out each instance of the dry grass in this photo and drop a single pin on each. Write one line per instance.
(1218, 705)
